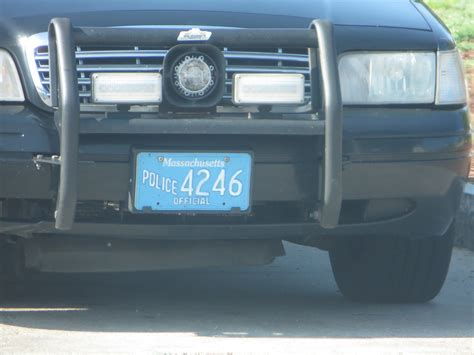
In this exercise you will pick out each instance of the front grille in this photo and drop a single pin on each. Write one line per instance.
(137, 59)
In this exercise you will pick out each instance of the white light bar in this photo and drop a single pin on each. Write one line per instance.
(126, 88)
(268, 89)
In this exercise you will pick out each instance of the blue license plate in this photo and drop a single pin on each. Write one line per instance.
(180, 182)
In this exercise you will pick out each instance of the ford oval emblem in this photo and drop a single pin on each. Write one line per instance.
(194, 34)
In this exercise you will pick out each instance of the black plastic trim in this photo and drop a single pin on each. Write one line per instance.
(255, 38)
(203, 126)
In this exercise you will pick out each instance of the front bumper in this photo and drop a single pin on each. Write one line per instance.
(389, 155)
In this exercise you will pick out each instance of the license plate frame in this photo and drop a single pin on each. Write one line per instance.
(232, 210)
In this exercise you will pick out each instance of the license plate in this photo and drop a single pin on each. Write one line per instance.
(194, 182)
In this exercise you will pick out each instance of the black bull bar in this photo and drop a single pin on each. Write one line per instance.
(63, 39)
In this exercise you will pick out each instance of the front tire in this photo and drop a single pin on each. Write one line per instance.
(391, 269)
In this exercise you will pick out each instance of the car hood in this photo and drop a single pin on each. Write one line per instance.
(31, 16)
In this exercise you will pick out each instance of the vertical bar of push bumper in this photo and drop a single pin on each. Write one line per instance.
(332, 110)
(65, 96)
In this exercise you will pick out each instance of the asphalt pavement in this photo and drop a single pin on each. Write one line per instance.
(289, 307)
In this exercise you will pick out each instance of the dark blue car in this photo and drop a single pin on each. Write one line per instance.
(147, 135)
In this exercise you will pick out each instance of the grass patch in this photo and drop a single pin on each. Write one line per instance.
(458, 15)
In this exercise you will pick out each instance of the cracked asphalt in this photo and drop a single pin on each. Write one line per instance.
(289, 307)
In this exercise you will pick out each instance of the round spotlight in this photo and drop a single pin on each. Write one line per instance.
(194, 76)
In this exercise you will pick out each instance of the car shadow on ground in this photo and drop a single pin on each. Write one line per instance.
(295, 297)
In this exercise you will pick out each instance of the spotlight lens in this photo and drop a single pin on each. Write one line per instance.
(194, 75)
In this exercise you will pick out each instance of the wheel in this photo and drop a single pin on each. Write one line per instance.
(390, 269)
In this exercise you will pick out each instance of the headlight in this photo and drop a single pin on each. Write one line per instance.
(451, 85)
(388, 78)
(10, 85)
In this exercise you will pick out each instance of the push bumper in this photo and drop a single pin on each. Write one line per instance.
(63, 39)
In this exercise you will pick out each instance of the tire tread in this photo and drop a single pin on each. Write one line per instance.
(391, 269)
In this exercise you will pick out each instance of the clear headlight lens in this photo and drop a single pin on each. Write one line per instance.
(10, 85)
(451, 85)
(388, 78)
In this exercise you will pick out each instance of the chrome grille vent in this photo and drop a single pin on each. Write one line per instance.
(139, 59)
